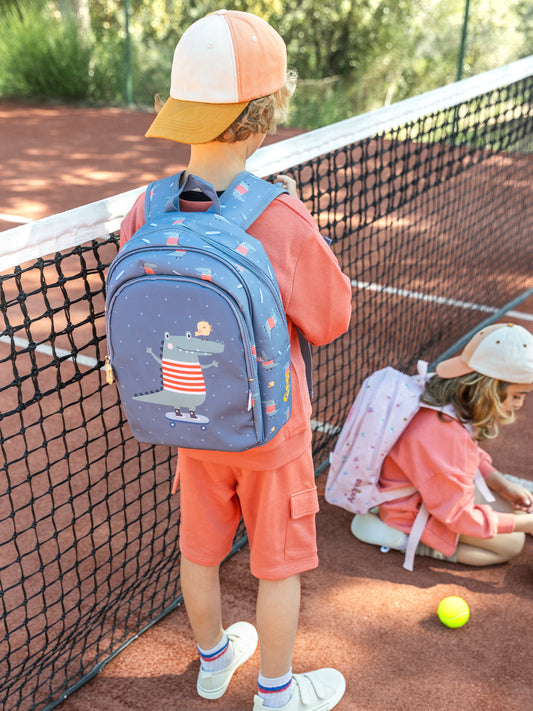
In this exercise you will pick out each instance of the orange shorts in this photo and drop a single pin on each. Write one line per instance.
(278, 506)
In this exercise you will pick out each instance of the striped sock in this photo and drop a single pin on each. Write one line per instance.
(275, 692)
(217, 658)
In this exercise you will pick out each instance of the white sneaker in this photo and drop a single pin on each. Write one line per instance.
(369, 528)
(319, 690)
(243, 641)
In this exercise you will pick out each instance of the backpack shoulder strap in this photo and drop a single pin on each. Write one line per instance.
(247, 197)
(241, 203)
(158, 193)
(415, 535)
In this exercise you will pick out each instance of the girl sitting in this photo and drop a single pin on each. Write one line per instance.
(438, 454)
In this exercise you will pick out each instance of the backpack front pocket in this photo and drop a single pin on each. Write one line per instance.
(184, 377)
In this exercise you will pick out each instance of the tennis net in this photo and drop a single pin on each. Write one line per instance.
(428, 204)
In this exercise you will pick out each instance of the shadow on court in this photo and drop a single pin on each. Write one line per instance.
(55, 158)
(361, 611)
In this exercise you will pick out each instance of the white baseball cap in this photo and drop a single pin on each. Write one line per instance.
(503, 351)
(221, 63)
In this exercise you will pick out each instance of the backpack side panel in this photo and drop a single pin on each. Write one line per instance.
(384, 406)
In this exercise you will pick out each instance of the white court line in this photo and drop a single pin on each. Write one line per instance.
(369, 286)
(56, 352)
(17, 219)
(316, 425)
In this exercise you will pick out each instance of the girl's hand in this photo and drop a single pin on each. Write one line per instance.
(288, 183)
(519, 496)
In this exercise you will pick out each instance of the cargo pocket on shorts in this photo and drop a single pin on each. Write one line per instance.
(300, 539)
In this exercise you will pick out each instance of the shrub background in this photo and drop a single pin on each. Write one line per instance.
(352, 56)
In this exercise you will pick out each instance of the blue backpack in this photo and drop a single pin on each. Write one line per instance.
(196, 332)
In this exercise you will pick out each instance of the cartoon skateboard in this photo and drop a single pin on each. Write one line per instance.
(187, 418)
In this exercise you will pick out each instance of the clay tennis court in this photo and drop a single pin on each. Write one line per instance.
(361, 612)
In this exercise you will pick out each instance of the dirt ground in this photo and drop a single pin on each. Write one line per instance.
(361, 611)
(54, 159)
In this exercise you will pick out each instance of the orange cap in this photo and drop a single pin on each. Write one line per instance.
(221, 63)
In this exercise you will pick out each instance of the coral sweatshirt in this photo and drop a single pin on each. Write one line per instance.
(440, 459)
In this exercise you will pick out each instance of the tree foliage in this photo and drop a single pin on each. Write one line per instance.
(391, 48)
(351, 55)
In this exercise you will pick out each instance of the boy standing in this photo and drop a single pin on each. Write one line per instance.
(229, 88)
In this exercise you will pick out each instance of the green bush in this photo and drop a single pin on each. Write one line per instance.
(42, 56)
(151, 71)
(376, 53)
(107, 72)
(325, 101)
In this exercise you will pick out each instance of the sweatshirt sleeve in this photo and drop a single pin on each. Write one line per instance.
(316, 294)
(133, 220)
(321, 297)
(485, 463)
(443, 463)
(450, 499)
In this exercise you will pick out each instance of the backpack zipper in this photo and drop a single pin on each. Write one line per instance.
(232, 258)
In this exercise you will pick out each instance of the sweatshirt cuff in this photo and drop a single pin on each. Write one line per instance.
(506, 522)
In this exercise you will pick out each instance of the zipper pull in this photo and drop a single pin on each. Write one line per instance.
(250, 401)
(109, 375)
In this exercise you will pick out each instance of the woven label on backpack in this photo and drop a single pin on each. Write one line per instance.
(197, 334)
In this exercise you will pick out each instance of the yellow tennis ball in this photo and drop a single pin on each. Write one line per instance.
(453, 611)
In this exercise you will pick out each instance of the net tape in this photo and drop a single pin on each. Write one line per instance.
(430, 217)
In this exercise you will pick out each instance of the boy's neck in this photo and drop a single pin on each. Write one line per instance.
(219, 163)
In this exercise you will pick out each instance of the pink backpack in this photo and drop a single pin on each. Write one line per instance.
(386, 403)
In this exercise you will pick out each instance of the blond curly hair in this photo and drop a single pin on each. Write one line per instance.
(262, 115)
(476, 399)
